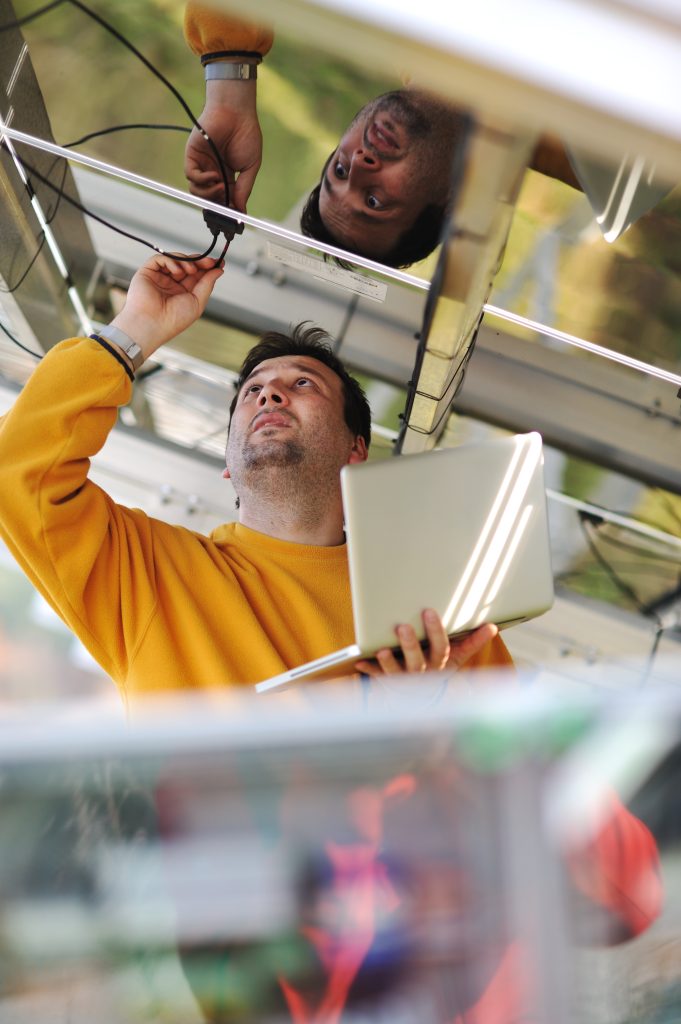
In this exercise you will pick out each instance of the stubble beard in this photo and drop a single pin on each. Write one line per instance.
(433, 126)
(286, 475)
(269, 470)
(274, 453)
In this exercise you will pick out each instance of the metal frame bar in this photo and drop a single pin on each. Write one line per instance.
(265, 226)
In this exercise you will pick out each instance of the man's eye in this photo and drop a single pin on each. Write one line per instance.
(253, 389)
(340, 171)
(303, 380)
(373, 203)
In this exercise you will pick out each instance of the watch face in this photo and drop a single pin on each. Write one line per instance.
(134, 353)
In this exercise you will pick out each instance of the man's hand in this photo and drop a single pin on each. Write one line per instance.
(231, 120)
(164, 298)
(441, 652)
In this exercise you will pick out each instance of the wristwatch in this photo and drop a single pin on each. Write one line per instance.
(124, 342)
(229, 72)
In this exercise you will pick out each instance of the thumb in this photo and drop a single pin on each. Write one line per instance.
(242, 188)
(205, 284)
(462, 650)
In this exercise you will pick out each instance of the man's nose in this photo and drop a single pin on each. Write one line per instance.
(363, 159)
(272, 394)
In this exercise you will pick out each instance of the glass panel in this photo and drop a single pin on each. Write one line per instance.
(560, 271)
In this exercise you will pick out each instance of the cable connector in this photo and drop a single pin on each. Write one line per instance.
(222, 223)
(588, 516)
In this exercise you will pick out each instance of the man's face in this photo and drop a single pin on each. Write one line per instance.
(392, 162)
(289, 415)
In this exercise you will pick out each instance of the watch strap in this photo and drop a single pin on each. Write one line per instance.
(124, 342)
(227, 71)
(249, 55)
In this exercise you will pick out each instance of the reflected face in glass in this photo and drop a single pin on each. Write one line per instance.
(391, 168)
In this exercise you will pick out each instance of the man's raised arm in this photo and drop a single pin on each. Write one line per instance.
(89, 557)
(230, 52)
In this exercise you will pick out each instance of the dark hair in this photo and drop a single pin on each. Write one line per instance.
(413, 245)
(316, 343)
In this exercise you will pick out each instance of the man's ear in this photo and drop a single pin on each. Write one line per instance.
(226, 474)
(359, 451)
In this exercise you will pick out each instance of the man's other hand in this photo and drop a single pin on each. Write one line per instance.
(230, 119)
(440, 652)
(165, 297)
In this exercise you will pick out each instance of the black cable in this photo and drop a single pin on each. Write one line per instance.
(70, 145)
(634, 549)
(161, 77)
(649, 613)
(140, 56)
(19, 22)
(651, 657)
(123, 128)
(127, 234)
(17, 342)
(343, 329)
(460, 367)
(60, 189)
(622, 586)
(48, 220)
(24, 275)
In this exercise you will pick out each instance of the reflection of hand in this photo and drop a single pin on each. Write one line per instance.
(164, 298)
(441, 652)
(231, 120)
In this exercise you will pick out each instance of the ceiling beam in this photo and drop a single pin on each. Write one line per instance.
(488, 172)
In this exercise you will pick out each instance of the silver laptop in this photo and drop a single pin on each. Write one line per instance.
(463, 530)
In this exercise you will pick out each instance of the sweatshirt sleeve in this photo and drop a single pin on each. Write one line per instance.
(90, 558)
(210, 30)
(494, 655)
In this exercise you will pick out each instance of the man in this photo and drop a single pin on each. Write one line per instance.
(384, 190)
(158, 606)
(161, 607)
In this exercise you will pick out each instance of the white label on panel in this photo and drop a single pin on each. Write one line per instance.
(364, 286)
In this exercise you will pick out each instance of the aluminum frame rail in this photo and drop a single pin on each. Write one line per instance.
(47, 303)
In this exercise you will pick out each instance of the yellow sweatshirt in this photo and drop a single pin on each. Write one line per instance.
(208, 30)
(158, 606)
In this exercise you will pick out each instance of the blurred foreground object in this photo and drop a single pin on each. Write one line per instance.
(344, 858)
